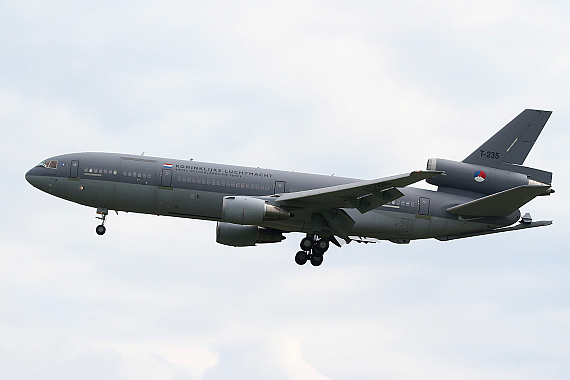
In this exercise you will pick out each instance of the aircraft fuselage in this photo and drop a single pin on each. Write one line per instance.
(191, 189)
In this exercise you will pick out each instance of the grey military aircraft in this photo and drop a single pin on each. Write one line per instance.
(480, 195)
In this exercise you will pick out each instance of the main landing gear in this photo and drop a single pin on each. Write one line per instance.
(100, 229)
(312, 249)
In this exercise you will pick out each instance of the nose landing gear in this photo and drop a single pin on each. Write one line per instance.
(100, 229)
(313, 250)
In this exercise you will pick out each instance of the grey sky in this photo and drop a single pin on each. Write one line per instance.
(361, 89)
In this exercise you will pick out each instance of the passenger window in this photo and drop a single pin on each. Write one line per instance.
(124, 173)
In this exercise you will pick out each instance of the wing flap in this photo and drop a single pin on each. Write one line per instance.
(503, 203)
(362, 195)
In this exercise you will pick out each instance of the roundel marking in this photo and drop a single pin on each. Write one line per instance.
(479, 176)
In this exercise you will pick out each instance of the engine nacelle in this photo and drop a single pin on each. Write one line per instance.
(244, 236)
(250, 211)
(480, 179)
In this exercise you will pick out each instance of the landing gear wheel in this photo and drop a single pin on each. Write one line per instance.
(100, 229)
(316, 260)
(321, 246)
(306, 244)
(301, 257)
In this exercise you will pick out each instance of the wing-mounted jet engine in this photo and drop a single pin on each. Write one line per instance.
(236, 235)
(251, 211)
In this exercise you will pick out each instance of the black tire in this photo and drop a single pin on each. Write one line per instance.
(306, 244)
(100, 229)
(321, 246)
(316, 260)
(301, 257)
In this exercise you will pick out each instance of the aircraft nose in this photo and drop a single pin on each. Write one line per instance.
(32, 176)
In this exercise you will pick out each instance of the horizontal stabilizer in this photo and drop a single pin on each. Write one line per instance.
(537, 175)
(499, 204)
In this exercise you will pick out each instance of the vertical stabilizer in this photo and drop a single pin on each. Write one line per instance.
(513, 142)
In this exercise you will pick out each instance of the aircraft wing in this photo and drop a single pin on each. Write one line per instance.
(503, 203)
(362, 195)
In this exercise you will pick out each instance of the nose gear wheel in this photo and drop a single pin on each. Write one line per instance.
(100, 229)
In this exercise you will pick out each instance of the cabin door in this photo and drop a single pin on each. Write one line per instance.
(166, 178)
(73, 170)
(424, 206)
(279, 187)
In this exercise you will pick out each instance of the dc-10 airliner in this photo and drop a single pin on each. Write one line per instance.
(480, 195)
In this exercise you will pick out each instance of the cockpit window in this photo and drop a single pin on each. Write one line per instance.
(50, 164)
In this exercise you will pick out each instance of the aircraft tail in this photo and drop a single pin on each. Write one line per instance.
(496, 165)
(510, 146)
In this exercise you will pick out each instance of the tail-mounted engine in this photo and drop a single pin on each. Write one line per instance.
(476, 178)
